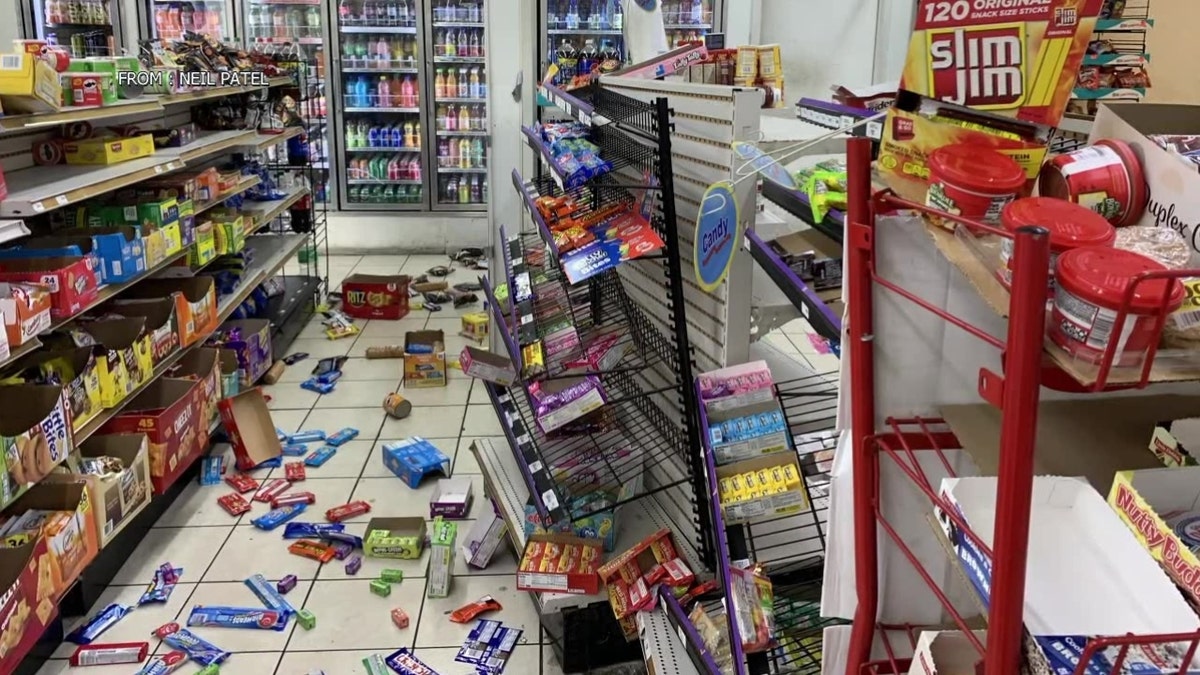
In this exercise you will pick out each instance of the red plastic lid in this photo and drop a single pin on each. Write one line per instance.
(1101, 275)
(977, 168)
(1138, 192)
(1070, 225)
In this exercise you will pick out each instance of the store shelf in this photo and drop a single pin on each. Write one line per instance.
(209, 143)
(266, 212)
(267, 140)
(586, 31)
(218, 92)
(813, 305)
(1117, 60)
(382, 71)
(582, 111)
(382, 181)
(379, 30)
(834, 116)
(687, 26)
(441, 99)
(41, 189)
(449, 170)
(460, 59)
(481, 134)
(405, 111)
(1109, 94)
(122, 108)
(1124, 25)
(458, 24)
(385, 150)
(11, 230)
(288, 40)
(246, 183)
(616, 148)
(659, 631)
(28, 347)
(797, 204)
(508, 486)
(110, 291)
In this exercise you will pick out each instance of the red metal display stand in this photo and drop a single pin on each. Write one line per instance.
(1015, 392)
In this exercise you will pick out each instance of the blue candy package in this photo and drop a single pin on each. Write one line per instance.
(198, 649)
(309, 436)
(302, 530)
(320, 456)
(237, 617)
(276, 517)
(92, 628)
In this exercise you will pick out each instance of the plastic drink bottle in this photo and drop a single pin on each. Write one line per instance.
(573, 15)
(473, 90)
(451, 118)
(476, 13)
(408, 93)
(464, 154)
(464, 191)
(464, 119)
(464, 43)
(410, 138)
(362, 96)
(476, 191)
(476, 49)
(464, 85)
(385, 99)
(451, 83)
(443, 151)
(450, 48)
(477, 151)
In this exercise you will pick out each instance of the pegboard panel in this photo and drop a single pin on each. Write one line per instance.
(705, 120)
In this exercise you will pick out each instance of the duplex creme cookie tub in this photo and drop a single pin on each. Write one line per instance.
(1091, 287)
(1071, 226)
(972, 181)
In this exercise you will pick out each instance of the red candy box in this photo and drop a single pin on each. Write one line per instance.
(339, 513)
(234, 504)
(241, 482)
(294, 471)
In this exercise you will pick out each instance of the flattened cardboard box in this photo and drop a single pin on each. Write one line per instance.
(251, 432)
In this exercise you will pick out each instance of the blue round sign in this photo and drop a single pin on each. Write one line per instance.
(766, 165)
(716, 236)
(647, 5)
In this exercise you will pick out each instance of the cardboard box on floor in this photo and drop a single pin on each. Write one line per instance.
(946, 652)
(1087, 575)
(1173, 181)
(121, 496)
(400, 538)
(425, 370)
(27, 600)
(251, 432)
(371, 296)
(75, 543)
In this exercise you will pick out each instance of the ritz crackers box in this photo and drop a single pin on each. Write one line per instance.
(1014, 59)
(370, 296)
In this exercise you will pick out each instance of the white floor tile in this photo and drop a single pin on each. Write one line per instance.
(481, 421)
(251, 551)
(197, 507)
(392, 498)
(360, 369)
(366, 420)
(190, 548)
(479, 394)
(441, 421)
(332, 662)
(313, 330)
(350, 616)
(357, 394)
(454, 393)
(448, 325)
(288, 420)
(372, 568)
(437, 630)
(396, 261)
(320, 348)
(464, 459)
(239, 640)
(347, 463)
(376, 469)
(139, 623)
(386, 269)
(395, 330)
(289, 396)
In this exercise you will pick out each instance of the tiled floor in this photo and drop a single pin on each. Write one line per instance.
(217, 552)
(798, 340)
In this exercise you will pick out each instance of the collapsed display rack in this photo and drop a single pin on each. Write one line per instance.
(641, 440)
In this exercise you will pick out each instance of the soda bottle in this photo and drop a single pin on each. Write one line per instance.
(410, 138)
(408, 93)
(464, 43)
(464, 191)
(451, 190)
(474, 44)
(389, 194)
(382, 52)
(398, 47)
(473, 89)
(464, 154)
(441, 118)
(439, 42)
(443, 151)
(451, 83)
(451, 118)
(477, 152)
(452, 157)
(344, 17)
(416, 169)
(476, 191)
(439, 83)
(464, 85)
(483, 190)
(554, 16)
(573, 15)
(588, 57)
(464, 119)
(402, 14)
(313, 20)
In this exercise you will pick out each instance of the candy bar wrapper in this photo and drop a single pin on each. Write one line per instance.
(234, 504)
(346, 511)
(197, 649)
(329, 378)
(286, 584)
(271, 489)
(468, 612)
(499, 649)
(301, 530)
(313, 384)
(295, 450)
(290, 498)
(272, 463)
(160, 589)
(405, 663)
(269, 595)
(109, 654)
(276, 517)
(342, 437)
(342, 550)
(375, 665)
(241, 482)
(165, 630)
(95, 626)
(354, 565)
(477, 640)
(314, 550)
(237, 617)
(294, 471)
(306, 437)
(351, 540)
(281, 435)
(211, 468)
(321, 456)
(165, 664)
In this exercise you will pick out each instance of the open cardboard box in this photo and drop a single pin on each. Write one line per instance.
(253, 349)
(578, 580)
(485, 365)
(195, 303)
(83, 385)
(35, 435)
(27, 600)
(75, 544)
(397, 538)
(24, 318)
(117, 497)
(168, 413)
(251, 431)
(425, 369)
(729, 450)
(1086, 574)
(162, 325)
(73, 285)
(203, 366)
(1151, 502)
(794, 501)
(128, 359)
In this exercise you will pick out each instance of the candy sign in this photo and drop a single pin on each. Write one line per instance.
(766, 165)
(716, 236)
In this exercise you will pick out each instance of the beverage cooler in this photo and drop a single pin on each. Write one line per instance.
(581, 34)
(170, 19)
(83, 27)
(412, 93)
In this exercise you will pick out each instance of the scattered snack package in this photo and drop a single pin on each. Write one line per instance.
(441, 558)
(109, 654)
(560, 563)
(489, 645)
(484, 538)
(399, 618)
(754, 604)
(451, 498)
(467, 613)
(339, 325)
(414, 458)
(400, 538)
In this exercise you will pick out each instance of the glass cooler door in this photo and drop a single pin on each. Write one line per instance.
(459, 110)
(170, 19)
(84, 27)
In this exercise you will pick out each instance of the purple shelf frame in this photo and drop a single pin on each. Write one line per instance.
(694, 643)
(827, 324)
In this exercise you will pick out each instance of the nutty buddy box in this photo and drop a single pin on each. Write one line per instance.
(1014, 59)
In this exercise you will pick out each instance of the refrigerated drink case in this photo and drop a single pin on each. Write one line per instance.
(170, 19)
(460, 111)
(83, 27)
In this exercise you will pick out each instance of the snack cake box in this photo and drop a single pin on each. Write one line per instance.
(1013, 59)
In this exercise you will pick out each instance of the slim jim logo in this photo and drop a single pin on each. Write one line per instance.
(980, 68)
